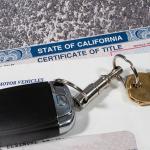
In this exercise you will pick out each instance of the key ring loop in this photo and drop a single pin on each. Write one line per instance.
(131, 66)
(72, 85)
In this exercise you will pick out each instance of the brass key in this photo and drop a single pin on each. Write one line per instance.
(137, 84)
(139, 93)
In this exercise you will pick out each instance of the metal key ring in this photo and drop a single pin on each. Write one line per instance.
(131, 66)
(66, 82)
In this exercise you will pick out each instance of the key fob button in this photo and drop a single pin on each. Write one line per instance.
(62, 105)
(34, 112)
(61, 101)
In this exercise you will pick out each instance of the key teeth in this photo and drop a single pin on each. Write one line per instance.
(144, 104)
(140, 103)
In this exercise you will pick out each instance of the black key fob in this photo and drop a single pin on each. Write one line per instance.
(35, 112)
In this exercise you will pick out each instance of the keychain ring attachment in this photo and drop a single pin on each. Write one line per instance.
(72, 85)
(131, 66)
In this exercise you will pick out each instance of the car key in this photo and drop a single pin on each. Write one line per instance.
(45, 110)
(34, 112)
